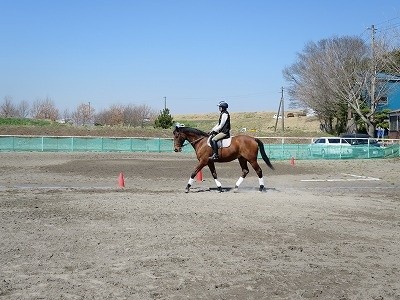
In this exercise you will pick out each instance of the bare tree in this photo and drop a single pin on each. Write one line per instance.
(44, 109)
(7, 108)
(144, 114)
(23, 109)
(101, 118)
(111, 116)
(66, 115)
(337, 73)
(83, 115)
(130, 115)
(310, 83)
(138, 115)
(376, 88)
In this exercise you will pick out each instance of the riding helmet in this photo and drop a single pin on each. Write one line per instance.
(223, 104)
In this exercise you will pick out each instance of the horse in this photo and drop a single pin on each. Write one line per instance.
(243, 147)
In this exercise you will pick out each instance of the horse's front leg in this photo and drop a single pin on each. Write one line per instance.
(193, 175)
(211, 166)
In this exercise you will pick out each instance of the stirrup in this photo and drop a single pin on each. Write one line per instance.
(214, 157)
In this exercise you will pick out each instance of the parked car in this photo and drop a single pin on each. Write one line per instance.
(330, 146)
(290, 115)
(359, 139)
(364, 145)
(302, 113)
(277, 117)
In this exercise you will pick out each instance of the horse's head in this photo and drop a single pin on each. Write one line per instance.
(182, 134)
(179, 138)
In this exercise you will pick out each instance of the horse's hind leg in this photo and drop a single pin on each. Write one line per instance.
(245, 171)
(258, 170)
(211, 166)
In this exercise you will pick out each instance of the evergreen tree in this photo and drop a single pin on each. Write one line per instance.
(164, 120)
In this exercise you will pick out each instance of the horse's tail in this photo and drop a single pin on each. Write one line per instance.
(263, 154)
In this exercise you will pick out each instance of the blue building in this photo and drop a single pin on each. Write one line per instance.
(394, 124)
(390, 99)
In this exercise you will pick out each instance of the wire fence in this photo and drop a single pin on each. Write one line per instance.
(277, 148)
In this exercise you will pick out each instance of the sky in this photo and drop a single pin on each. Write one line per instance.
(186, 55)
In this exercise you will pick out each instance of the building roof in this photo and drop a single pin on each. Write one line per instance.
(388, 77)
(395, 112)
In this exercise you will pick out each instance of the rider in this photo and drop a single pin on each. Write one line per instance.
(221, 130)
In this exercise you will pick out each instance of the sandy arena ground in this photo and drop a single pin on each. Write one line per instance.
(322, 229)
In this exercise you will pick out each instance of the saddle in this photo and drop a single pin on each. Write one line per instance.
(221, 143)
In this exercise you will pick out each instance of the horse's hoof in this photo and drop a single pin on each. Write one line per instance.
(261, 189)
(220, 189)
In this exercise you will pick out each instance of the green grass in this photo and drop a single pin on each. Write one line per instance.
(24, 122)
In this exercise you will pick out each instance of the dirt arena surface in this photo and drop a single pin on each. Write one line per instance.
(320, 230)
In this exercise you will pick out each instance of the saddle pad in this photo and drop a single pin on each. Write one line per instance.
(221, 143)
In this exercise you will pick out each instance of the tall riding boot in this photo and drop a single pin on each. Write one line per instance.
(214, 145)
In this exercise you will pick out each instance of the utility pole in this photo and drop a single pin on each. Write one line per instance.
(283, 111)
(281, 108)
(165, 103)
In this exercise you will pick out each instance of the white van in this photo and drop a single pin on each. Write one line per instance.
(330, 146)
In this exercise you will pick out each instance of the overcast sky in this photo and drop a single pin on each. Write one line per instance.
(194, 53)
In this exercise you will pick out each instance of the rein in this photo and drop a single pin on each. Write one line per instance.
(194, 142)
(199, 139)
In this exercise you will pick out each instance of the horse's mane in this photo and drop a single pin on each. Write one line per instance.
(193, 130)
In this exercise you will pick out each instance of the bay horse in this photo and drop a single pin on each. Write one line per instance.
(243, 147)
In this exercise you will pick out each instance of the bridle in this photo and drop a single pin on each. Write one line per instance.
(190, 143)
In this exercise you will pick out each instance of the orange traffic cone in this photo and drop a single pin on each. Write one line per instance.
(199, 176)
(292, 161)
(121, 180)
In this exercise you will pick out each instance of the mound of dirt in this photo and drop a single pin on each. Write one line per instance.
(251, 123)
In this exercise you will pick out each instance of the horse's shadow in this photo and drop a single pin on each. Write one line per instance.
(229, 189)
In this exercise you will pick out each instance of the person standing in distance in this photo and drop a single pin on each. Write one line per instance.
(220, 130)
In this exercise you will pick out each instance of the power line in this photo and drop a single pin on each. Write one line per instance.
(391, 27)
(387, 21)
(382, 29)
